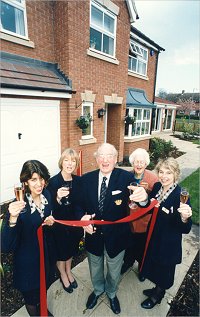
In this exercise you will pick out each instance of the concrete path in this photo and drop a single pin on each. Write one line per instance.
(62, 304)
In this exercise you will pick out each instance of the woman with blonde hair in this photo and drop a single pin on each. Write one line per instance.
(64, 189)
(173, 219)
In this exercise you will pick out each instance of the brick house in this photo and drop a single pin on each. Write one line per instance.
(64, 59)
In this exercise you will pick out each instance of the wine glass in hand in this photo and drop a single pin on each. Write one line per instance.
(184, 195)
(67, 186)
(132, 204)
(19, 190)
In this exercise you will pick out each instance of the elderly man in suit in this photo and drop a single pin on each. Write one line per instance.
(105, 197)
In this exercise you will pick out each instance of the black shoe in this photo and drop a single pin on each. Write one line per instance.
(141, 278)
(125, 267)
(115, 306)
(74, 284)
(92, 300)
(149, 292)
(68, 289)
(150, 302)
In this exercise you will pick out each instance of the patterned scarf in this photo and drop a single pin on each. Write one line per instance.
(34, 207)
(161, 196)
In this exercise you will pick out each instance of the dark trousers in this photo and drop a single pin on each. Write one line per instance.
(136, 249)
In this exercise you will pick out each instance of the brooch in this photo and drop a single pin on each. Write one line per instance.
(118, 202)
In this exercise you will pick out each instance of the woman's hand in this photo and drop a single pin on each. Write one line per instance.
(185, 211)
(139, 194)
(90, 228)
(14, 209)
(49, 221)
(62, 192)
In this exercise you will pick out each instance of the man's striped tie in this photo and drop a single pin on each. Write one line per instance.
(102, 194)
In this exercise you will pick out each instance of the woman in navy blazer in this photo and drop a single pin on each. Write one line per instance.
(173, 219)
(19, 234)
(66, 238)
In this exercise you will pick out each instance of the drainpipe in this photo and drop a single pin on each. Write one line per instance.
(154, 88)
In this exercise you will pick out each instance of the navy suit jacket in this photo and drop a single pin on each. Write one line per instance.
(166, 242)
(23, 242)
(115, 237)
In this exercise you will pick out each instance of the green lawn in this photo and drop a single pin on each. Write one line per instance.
(192, 184)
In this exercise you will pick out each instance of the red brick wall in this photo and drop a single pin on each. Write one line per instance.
(40, 31)
(60, 32)
(130, 147)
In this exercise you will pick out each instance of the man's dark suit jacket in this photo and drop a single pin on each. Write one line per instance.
(115, 237)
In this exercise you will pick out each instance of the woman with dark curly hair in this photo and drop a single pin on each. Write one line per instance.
(19, 233)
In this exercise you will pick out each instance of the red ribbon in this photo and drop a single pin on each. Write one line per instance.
(82, 223)
(43, 297)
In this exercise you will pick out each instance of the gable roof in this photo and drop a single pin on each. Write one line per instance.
(27, 73)
(141, 36)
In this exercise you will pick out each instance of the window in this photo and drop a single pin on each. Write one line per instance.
(138, 57)
(168, 119)
(156, 119)
(87, 110)
(13, 17)
(102, 30)
(141, 125)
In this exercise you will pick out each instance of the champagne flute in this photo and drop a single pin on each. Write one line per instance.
(19, 190)
(184, 195)
(132, 204)
(67, 185)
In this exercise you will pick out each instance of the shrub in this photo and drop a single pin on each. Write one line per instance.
(160, 149)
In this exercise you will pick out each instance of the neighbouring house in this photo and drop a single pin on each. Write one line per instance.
(68, 60)
(164, 115)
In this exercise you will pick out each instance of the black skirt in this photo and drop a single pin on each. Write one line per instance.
(67, 241)
(161, 275)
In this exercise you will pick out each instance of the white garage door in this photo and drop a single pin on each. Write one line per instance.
(30, 129)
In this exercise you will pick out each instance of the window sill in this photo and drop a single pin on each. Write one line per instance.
(137, 75)
(137, 138)
(17, 40)
(87, 141)
(98, 55)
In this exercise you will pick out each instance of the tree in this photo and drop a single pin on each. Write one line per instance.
(162, 93)
(187, 105)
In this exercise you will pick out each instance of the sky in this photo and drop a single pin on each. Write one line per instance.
(175, 26)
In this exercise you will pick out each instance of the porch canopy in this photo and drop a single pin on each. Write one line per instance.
(137, 98)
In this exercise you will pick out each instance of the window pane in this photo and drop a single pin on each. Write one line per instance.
(95, 39)
(139, 114)
(144, 54)
(143, 128)
(141, 68)
(134, 64)
(96, 16)
(147, 128)
(12, 19)
(129, 63)
(108, 23)
(108, 45)
(138, 127)
(87, 112)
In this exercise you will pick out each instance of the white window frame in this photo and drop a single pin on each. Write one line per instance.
(21, 6)
(102, 30)
(166, 115)
(138, 123)
(138, 51)
(91, 106)
(157, 118)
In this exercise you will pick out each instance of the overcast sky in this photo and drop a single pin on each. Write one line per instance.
(175, 26)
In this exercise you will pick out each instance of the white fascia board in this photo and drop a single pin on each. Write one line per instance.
(142, 41)
(168, 106)
(132, 10)
(35, 93)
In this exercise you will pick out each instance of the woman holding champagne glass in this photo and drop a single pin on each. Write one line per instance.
(19, 234)
(173, 219)
(139, 160)
(64, 189)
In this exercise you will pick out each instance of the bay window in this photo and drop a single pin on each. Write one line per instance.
(141, 126)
